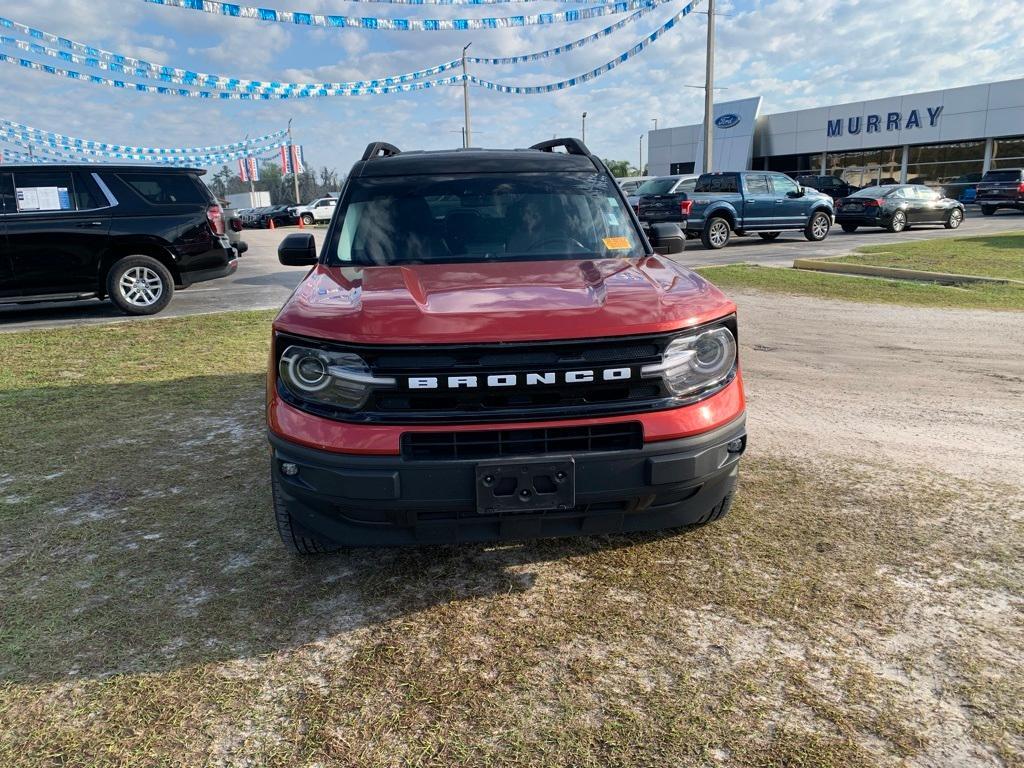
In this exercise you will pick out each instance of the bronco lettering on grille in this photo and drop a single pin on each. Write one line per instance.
(496, 380)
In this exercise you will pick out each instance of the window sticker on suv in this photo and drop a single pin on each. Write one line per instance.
(43, 199)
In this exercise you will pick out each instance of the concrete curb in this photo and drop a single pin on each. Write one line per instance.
(943, 278)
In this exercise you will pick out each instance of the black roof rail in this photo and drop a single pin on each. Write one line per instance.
(572, 146)
(377, 149)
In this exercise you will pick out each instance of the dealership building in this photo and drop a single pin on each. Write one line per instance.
(943, 138)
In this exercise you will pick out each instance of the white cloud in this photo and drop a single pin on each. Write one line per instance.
(793, 53)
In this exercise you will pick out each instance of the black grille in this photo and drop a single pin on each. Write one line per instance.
(521, 442)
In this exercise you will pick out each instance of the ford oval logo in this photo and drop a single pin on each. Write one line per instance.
(727, 121)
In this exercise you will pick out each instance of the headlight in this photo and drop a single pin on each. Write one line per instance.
(341, 379)
(697, 362)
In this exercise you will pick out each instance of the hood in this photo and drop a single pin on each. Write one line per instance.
(500, 301)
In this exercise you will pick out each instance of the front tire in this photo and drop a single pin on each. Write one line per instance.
(850, 228)
(818, 227)
(307, 219)
(769, 235)
(898, 222)
(716, 233)
(139, 285)
(988, 210)
(954, 219)
(295, 539)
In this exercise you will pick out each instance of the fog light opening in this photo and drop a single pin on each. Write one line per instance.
(736, 446)
(289, 469)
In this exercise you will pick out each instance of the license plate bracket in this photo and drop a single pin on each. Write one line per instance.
(509, 486)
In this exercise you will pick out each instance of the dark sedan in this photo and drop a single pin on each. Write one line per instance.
(896, 207)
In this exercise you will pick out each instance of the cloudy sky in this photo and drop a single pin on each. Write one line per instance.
(792, 52)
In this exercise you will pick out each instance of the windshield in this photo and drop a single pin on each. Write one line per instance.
(482, 217)
(873, 192)
(657, 186)
(1013, 175)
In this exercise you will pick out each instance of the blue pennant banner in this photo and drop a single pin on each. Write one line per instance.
(575, 44)
(257, 144)
(26, 140)
(594, 73)
(223, 95)
(304, 18)
(74, 52)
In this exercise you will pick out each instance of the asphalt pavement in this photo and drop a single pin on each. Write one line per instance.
(263, 283)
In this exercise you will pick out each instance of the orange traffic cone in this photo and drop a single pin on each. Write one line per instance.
(272, 223)
(301, 225)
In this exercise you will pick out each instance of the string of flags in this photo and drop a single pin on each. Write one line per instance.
(339, 21)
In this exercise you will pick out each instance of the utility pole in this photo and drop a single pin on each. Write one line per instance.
(293, 156)
(465, 97)
(640, 169)
(583, 137)
(655, 121)
(709, 90)
(248, 172)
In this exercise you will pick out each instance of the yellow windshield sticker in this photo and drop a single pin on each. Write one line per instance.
(617, 243)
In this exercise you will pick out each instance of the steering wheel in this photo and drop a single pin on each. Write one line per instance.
(572, 242)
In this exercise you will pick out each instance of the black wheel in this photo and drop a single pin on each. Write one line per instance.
(769, 235)
(716, 233)
(988, 210)
(818, 227)
(717, 512)
(139, 285)
(297, 540)
(954, 219)
(851, 228)
(898, 222)
(307, 219)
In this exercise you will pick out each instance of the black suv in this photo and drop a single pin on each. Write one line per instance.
(128, 233)
(1003, 188)
(833, 186)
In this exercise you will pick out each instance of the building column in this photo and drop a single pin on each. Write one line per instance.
(987, 165)
(824, 164)
(904, 162)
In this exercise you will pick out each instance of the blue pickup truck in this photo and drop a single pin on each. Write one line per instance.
(745, 202)
(756, 201)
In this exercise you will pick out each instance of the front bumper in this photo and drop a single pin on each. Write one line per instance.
(389, 500)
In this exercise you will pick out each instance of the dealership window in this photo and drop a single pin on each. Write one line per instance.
(679, 169)
(792, 165)
(1008, 153)
(866, 168)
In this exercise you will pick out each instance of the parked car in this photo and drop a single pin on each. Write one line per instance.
(833, 186)
(760, 202)
(661, 185)
(131, 234)
(630, 185)
(233, 227)
(1002, 188)
(319, 210)
(897, 207)
(488, 347)
(275, 213)
(673, 204)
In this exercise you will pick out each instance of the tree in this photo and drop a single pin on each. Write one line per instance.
(621, 168)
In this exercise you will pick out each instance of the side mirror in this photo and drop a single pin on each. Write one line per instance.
(297, 250)
(799, 192)
(667, 239)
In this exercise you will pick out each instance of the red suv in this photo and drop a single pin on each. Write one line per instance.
(490, 347)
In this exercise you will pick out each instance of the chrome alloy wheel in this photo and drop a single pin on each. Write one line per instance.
(956, 218)
(899, 221)
(819, 226)
(141, 286)
(718, 234)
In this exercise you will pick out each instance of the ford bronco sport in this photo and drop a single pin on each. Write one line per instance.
(490, 347)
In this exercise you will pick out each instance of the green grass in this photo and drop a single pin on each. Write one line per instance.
(986, 256)
(865, 289)
(150, 617)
